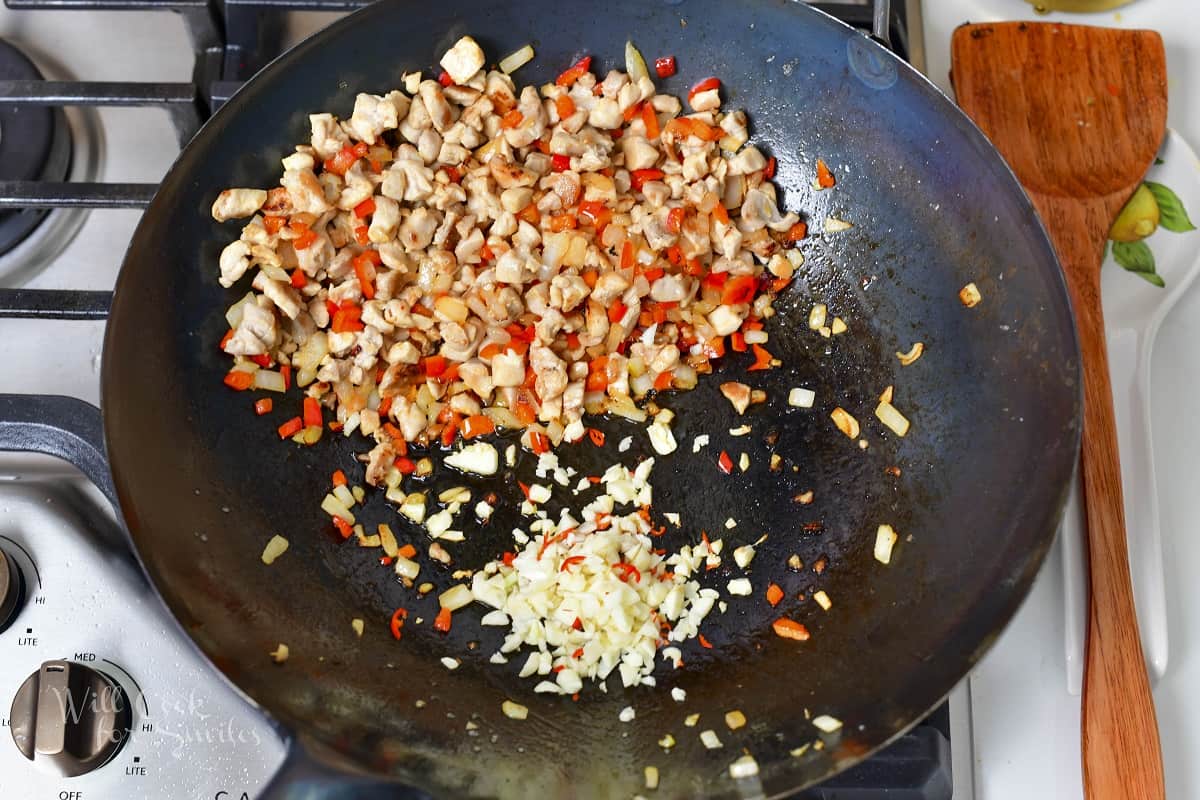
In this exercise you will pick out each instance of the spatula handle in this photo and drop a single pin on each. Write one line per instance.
(1122, 756)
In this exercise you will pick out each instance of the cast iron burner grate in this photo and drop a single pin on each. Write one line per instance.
(233, 40)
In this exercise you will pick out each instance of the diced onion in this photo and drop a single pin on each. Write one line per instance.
(651, 777)
(514, 710)
(456, 597)
(678, 695)
(912, 355)
(740, 587)
(635, 65)
(627, 714)
(969, 295)
(744, 555)
(835, 225)
(885, 540)
(801, 398)
(480, 458)
(735, 719)
(269, 380)
(274, 549)
(744, 767)
(816, 317)
(837, 326)
(514, 61)
(358, 625)
(710, 740)
(889, 416)
(827, 723)
(691, 719)
(822, 599)
(280, 654)
(846, 423)
(450, 663)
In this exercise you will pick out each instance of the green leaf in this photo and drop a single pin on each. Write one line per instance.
(1174, 217)
(1158, 161)
(1137, 258)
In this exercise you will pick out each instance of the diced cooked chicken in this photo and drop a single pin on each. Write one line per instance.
(385, 220)
(508, 369)
(257, 333)
(372, 116)
(738, 394)
(463, 60)
(517, 238)
(328, 138)
(441, 114)
(237, 203)
(304, 191)
(235, 260)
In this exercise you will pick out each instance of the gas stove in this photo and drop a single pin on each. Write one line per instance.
(96, 99)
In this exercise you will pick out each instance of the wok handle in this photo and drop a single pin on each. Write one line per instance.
(881, 22)
(63, 427)
(303, 776)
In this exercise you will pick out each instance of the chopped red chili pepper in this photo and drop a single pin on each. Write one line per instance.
(397, 623)
(442, 621)
(508, 557)
(665, 66)
(577, 624)
(539, 443)
(650, 120)
(626, 569)
(444, 79)
(704, 642)
(662, 381)
(596, 436)
(405, 465)
(825, 178)
(570, 562)
(769, 170)
(762, 359)
(578, 653)
(725, 463)
(344, 527)
(298, 280)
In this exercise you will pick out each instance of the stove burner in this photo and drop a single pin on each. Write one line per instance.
(35, 144)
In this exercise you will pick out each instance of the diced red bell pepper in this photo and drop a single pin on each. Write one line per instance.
(739, 289)
(239, 379)
(312, 413)
(560, 163)
(675, 219)
(797, 231)
(769, 170)
(298, 280)
(616, 312)
(665, 67)
(574, 72)
(290, 428)
(442, 621)
(365, 209)
(825, 178)
(397, 623)
(477, 425)
(511, 120)
(650, 120)
(762, 359)
(444, 79)
(564, 105)
(639, 177)
(263, 406)
(725, 463)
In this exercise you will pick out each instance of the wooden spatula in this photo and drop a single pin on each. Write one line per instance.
(1079, 114)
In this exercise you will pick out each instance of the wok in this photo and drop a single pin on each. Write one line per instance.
(202, 482)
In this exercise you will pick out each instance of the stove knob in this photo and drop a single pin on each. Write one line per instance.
(69, 719)
(12, 590)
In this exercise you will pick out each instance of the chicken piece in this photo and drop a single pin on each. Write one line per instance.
(550, 373)
(708, 100)
(605, 115)
(234, 261)
(403, 353)
(476, 375)
(748, 161)
(409, 418)
(533, 123)
(305, 191)
(453, 154)
(617, 373)
(460, 341)
(429, 145)
(384, 221)
(358, 188)
(418, 180)
(666, 104)
(510, 267)
(724, 320)
(415, 121)
(609, 287)
(237, 203)
(563, 191)
(500, 91)
(463, 60)
(298, 160)
(695, 166)
(257, 333)
(738, 394)
(468, 249)
(759, 210)
(508, 369)
(669, 289)
(444, 230)
(567, 291)
(372, 315)
(639, 153)
(416, 232)
(549, 325)
(459, 95)
(316, 257)
(654, 228)
(728, 238)
(441, 114)
(509, 175)
(370, 340)
(328, 138)
(285, 298)
(372, 116)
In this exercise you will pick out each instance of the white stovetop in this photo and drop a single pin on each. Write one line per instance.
(1025, 720)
